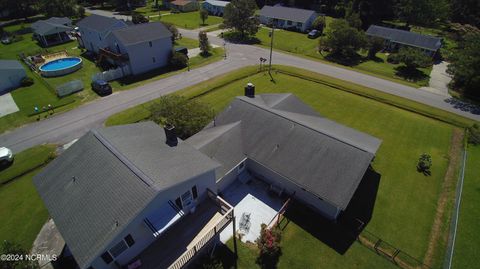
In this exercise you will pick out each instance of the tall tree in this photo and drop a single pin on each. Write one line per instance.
(59, 8)
(20, 9)
(422, 12)
(203, 43)
(240, 15)
(343, 40)
(464, 67)
(203, 15)
(466, 11)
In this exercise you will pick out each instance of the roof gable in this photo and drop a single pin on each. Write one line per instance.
(324, 157)
(99, 23)
(405, 37)
(140, 33)
(287, 13)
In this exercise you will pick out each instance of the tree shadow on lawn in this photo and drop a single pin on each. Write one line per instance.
(342, 234)
(410, 74)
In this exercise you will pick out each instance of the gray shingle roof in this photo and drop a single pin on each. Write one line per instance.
(406, 37)
(10, 64)
(286, 13)
(140, 33)
(48, 28)
(282, 133)
(118, 171)
(98, 23)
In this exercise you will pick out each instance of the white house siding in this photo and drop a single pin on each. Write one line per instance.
(285, 24)
(326, 209)
(142, 235)
(141, 56)
(229, 178)
(10, 78)
(93, 40)
(215, 10)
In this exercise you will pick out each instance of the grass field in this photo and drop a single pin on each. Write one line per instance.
(42, 92)
(21, 210)
(189, 20)
(467, 245)
(308, 47)
(404, 194)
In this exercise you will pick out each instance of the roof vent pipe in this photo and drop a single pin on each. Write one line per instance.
(250, 90)
(171, 135)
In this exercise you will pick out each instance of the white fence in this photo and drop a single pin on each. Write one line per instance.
(112, 74)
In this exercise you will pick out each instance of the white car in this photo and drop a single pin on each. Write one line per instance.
(6, 155)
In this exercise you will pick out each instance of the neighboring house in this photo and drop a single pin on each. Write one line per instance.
(124, 192)
(215, 7)
(395, 39)
(52, 31)
(11, 75)
(93, 30)
(143, 47)
(184, 5)
(288, 17)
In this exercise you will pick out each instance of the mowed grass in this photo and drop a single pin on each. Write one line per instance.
(189, 20)
(22, 212)
(309, 47)
(467, 244)
(406, 202)
(42, 92)
(301, 250)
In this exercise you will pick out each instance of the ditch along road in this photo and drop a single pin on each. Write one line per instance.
(65, 127)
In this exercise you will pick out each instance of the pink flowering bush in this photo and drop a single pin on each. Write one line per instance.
(269, 245)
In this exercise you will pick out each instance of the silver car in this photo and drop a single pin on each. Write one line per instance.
(6, 155)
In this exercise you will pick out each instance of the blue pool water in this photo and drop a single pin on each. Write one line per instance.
(60, 64)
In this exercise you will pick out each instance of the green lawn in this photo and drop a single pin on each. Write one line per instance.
(467, 245)
(189, 20)
(406, 202)
(26, 161)
(308, 47)
(42, 92)
(21, 210)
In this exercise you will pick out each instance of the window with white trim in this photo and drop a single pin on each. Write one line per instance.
(118, 249)
(187, 198)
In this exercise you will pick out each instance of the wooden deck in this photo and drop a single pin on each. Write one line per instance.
(179, 245)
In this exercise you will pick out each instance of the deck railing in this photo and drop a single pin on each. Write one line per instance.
(227, 216)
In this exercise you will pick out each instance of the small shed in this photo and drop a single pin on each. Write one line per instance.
(11, 75)
(52, 31)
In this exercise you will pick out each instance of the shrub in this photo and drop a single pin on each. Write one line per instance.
(178, 60)
(17, 250)
(393, 58)
(173, 29)
(474, 134)
(269, 245)
(319, 23)
(81, 11)
(424, 164)
(375, 45)
(26, 81)
(139, 18)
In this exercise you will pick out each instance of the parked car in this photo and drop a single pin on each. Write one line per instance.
(101, 87)
(6, 40)
(314, 34)
(6, 155)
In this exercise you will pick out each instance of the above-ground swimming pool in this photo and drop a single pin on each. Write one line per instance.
(61, 67)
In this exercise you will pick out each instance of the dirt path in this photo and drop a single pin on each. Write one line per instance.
(437, 236)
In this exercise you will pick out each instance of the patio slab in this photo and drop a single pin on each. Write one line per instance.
(7, 105)
(254, 199)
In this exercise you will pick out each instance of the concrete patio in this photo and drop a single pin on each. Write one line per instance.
(252, 198)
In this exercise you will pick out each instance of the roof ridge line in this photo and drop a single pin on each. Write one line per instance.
(335, 138)
(132, 167)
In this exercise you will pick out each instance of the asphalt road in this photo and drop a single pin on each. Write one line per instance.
(65, 127)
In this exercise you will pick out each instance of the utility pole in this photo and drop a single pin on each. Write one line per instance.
(274, 21)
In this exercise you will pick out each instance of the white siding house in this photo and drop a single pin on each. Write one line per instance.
(11, 75)
(94, 29)
(147, 46)
(215, 7)
(287, 17)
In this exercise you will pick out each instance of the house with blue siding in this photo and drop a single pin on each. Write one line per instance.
(93, 30)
